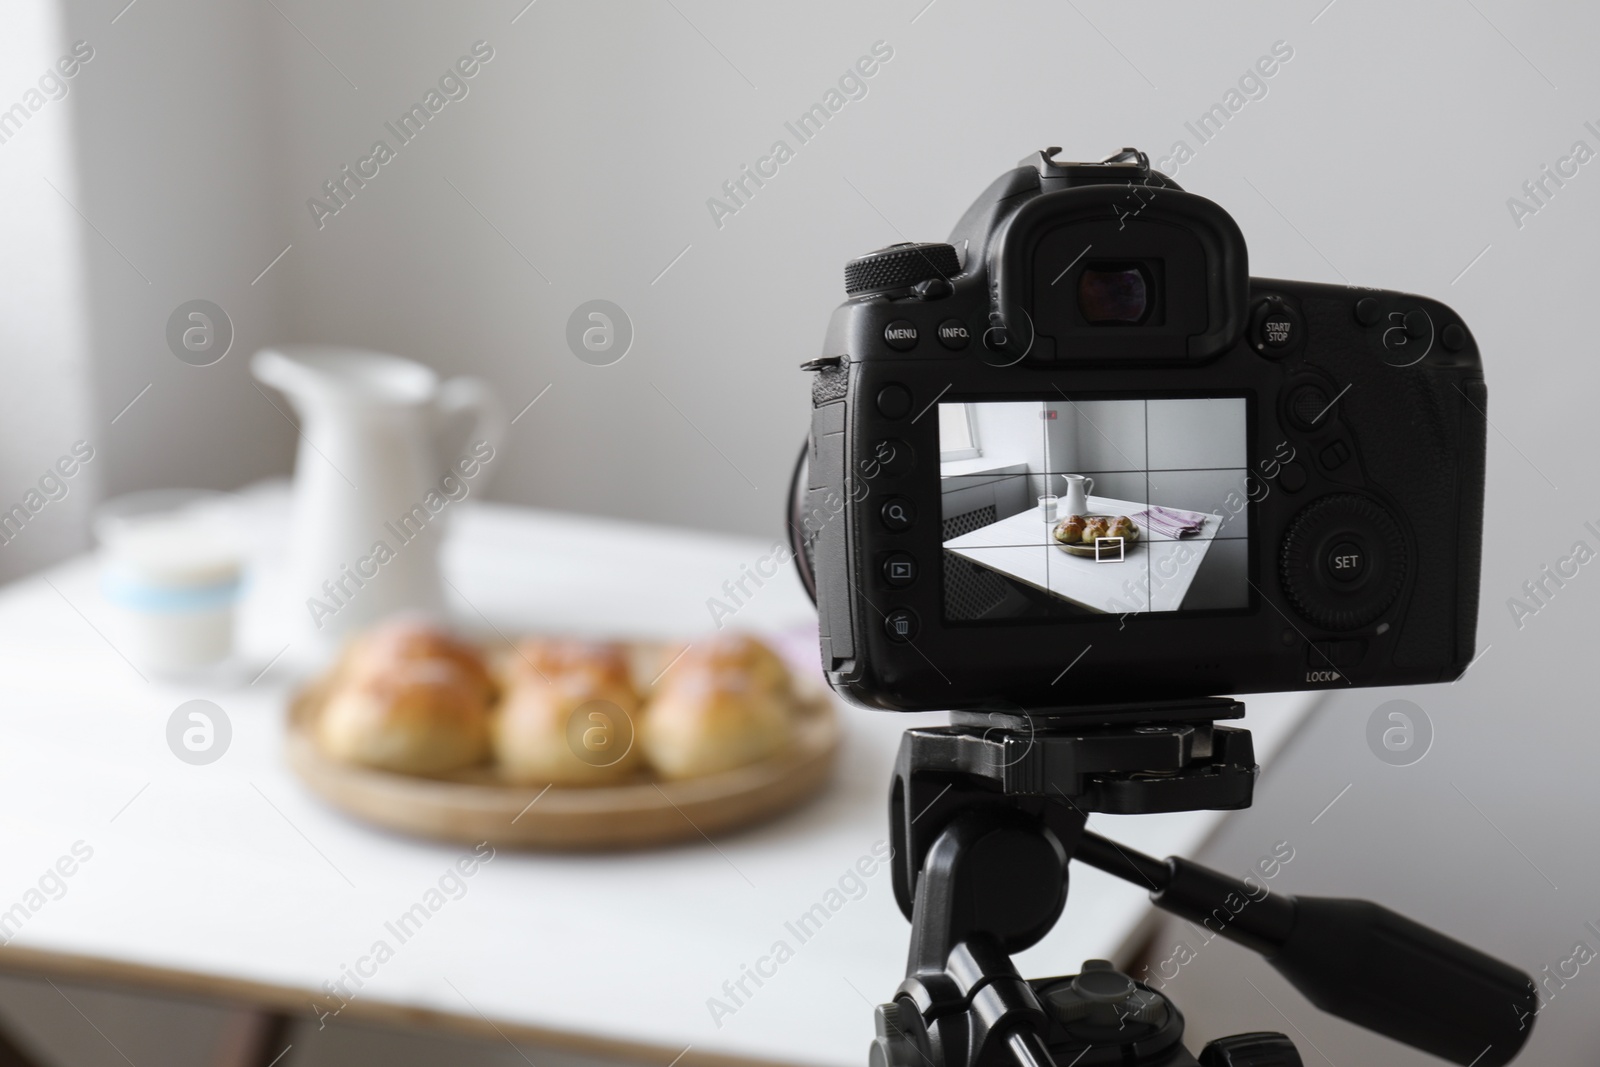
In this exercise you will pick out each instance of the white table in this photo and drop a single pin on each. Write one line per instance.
(1152, 574)
(230, 880)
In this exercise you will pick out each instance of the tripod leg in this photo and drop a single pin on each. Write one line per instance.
(254, 1038)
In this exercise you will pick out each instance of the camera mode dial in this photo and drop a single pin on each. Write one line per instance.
(900, 267)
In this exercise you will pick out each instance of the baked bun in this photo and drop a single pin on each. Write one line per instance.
(553, 660)
(713, 722)
(1070, 529)
(728, 653)
(566, 731)
(1094, 528)
(418, 717)
(407, 639)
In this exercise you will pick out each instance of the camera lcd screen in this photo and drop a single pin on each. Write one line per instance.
(1080, 508)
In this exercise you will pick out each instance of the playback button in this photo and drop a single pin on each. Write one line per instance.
(900, 569)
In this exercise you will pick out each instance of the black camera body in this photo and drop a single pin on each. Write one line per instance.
(1078, 457)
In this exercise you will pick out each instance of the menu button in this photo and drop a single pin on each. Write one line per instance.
(900, 335)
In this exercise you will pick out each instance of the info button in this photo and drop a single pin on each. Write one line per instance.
(954, 335)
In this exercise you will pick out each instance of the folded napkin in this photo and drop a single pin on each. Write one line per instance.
(1170, 521)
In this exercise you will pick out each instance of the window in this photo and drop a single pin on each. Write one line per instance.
(958, 434)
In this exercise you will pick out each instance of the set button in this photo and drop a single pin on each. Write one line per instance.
(1346, 562)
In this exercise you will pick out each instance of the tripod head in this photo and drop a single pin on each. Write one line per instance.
(986, 815)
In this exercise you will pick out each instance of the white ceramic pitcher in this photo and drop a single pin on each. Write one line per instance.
(1076, 502)
(386, 451)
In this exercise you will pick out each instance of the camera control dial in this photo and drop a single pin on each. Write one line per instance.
(901, 266)
(1343, 561)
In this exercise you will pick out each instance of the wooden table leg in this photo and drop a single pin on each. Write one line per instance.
(12, 1056)
(252, 1038)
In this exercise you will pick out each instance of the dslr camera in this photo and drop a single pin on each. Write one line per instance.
(1078, 456)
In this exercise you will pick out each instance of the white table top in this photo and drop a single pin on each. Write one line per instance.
(1020, 547)
(234, 873)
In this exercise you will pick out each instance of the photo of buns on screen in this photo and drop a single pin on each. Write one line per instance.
(1069, 531)
(575, 726)
(707, 720)
(423, 716)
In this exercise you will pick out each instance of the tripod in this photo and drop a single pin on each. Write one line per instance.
(985, 816)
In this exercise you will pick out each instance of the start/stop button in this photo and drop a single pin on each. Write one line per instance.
(1275, 327)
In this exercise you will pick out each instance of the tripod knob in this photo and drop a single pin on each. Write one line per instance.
(891, 1047)
(1251, 1050)
(1104, 996)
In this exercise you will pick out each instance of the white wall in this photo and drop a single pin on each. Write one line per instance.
(178, 147)
(43, 407)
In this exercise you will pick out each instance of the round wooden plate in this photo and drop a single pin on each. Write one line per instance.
(1088, 551)
(474, 805)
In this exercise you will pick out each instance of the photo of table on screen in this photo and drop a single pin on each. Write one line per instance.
(1175, 467)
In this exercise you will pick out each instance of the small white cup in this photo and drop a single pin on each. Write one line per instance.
(1047, 507)
(171, 565)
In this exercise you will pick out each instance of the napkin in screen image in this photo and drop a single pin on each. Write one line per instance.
(1170, 521)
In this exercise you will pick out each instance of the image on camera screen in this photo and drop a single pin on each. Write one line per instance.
(1061, 508)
